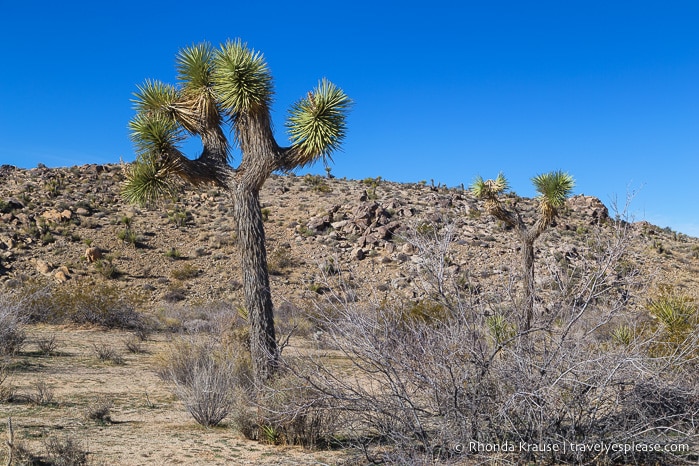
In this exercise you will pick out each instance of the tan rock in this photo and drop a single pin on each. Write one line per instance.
(56, 217)
(93, 254)
(61, 276)
(43, 267)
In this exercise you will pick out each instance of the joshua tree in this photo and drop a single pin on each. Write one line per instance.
(231, 85)
(553, 188)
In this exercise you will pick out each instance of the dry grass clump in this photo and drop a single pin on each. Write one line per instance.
(108, 353)
(12, 320)
(65, 451)
(99, 410)
(47, 346)
(81, 303)
(211, 380)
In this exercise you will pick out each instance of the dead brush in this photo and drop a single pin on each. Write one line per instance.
(107, 353)
(99, 410)
(208, 378)
(65, 452)
(42, 395)
(134, 345)
(12, 320)
(6, 391)
(47, 346)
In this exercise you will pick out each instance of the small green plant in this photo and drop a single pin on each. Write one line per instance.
(173, 254)
(676, 312)
(106, 268)
(425, 229)
(500, 329)
(126, 220)
(128, 236)
(270, 435)
(622, 335)
(180, 217)
(265, 214)
(372, 184)
(330, 267)
(185, 272)
(53, 186)
(317, 183)
(279, 260)
(305, 231)
(425, 310)
(677, 317)
(47, 238)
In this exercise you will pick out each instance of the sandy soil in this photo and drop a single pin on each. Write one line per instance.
(149, 425)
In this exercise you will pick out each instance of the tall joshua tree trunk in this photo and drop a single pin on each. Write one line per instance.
(231, 84)
(528, 277)
(258, 297)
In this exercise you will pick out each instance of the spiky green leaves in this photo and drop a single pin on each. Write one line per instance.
(154, 97)
(156, 137)
(241, 78)
(317, 123)
(194, 67)
(553, 188)
(155, 133)
(149, 179)
(489, 189)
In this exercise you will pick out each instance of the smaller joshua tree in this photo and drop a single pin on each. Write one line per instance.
(553, 188)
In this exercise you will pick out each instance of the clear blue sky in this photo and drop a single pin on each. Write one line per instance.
(607, 90)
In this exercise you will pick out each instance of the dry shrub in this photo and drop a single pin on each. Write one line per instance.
(107, 353)
(100, 410)
(42, 395)
(289, 411)
(12, 321)
(213, 317)
(211, 380)
(134, 345)
(59, 452)
(417, 390)
(47, 346)
(6, 391)
(65, 452)
(81, 303)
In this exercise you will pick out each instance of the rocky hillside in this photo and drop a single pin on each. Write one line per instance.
(317, 229)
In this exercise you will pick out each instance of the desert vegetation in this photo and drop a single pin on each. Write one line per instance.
(452, 373)
(413, 323)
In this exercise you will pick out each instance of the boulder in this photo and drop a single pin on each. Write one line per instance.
(62, 274)
(589, 207)
(43, 267)
(93, 254)
(357, 254)
(56, 217)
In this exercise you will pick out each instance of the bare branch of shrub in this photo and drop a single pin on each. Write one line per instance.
(43, 394)
(407, 390)
(208, 378)
(47, 346)
(107, 353)
(99, 410)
